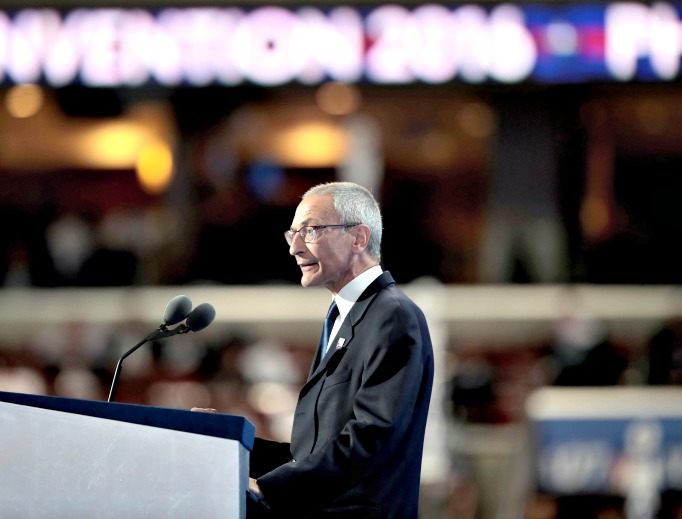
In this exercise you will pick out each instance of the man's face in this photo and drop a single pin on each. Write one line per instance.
(327, 261)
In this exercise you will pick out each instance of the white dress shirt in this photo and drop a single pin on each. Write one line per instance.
(350, 293)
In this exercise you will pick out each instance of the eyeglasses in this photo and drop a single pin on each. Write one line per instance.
(309, 232)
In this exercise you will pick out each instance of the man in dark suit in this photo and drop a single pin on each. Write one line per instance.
(358, 433)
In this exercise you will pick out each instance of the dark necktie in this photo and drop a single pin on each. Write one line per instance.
(332, 314)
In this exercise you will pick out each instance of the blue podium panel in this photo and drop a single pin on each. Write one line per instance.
(60, 464)
(620, 440)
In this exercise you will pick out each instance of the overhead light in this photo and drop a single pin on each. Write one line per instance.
(311, 144)
(24, 101)
(154, 168)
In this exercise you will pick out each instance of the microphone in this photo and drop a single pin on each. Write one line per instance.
(200, 317)
(177, 310)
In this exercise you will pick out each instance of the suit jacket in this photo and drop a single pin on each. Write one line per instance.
(358, 433)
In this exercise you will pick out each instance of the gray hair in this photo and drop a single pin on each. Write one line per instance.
(355, 204)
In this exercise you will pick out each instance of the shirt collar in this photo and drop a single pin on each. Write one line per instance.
(350, 293)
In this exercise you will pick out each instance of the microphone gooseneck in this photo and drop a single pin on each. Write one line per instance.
(178, 309)
(117, 373)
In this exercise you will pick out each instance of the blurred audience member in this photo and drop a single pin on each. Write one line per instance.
(113, 262)
(22, 379)
(581, 352)
(664, 350)
(472, 392)
(70, 239)
(25, 260)
(17, 269)
(523, 237)
(583, 355)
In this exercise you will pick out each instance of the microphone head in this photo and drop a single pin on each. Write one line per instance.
(200, 317)
(177, 310)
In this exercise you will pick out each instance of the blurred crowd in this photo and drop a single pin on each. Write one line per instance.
(231, 237)
(259, 379)
(225, 227)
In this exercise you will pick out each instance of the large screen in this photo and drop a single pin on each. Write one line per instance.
(384, 44)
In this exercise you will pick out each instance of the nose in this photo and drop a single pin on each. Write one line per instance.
(297, 245)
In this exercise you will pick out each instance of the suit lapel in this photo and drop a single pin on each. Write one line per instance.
(344, 337)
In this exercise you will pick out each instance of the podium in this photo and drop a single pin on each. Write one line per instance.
(81, 459)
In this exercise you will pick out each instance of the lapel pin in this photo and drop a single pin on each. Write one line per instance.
(340, 343)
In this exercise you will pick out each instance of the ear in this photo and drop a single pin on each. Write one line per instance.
(362, 234)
